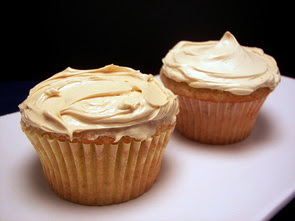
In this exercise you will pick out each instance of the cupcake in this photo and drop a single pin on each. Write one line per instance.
(100, 134)
(221, 87)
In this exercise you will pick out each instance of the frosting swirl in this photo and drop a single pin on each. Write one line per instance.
(112, 100)
(223, 65)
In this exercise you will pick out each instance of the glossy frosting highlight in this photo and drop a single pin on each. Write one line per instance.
(113, 100)
(223, 65)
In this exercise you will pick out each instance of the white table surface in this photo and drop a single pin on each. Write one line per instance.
(250, 180)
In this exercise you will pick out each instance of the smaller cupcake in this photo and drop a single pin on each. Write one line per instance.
(221, 87)
(100, 134)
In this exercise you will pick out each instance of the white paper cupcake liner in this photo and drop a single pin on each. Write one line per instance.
(217, 122)
(99, 174)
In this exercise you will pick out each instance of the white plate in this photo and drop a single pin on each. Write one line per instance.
(250, 180)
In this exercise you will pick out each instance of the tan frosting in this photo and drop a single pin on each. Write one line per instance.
(223, 65)
(112, 100)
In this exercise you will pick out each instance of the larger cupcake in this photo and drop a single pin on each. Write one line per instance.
(100, 134)
(221, 87)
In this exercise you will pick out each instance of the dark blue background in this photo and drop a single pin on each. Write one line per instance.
(49, 37)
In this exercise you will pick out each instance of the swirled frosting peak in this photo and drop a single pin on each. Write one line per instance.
(112, 100)
(223, 65)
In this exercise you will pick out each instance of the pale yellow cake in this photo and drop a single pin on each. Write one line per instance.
(100, 134)
(221, 87)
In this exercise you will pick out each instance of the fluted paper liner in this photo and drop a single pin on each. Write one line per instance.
(94, 174)
(217, 122)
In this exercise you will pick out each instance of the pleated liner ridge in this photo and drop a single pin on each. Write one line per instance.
(217, 122)
(93, 174)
